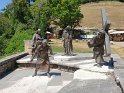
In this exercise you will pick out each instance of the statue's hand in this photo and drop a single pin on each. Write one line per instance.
(89, 45)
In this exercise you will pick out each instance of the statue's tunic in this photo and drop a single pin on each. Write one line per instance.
(98, 43)
(35, 38)
(67, 42)
(41, 53)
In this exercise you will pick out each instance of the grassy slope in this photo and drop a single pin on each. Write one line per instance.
(92, 14)
(80, 46)
(119, 50)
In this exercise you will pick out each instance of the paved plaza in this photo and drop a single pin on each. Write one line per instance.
(88, 78)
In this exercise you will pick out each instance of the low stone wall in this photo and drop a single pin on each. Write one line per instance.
(9, 63)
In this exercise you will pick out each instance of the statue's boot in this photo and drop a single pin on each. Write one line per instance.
(48, 74)
(102, 59)
(35, 73)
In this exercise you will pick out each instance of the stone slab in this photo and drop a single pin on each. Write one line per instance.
(20, 73)
(14, 76)
(60, 77)
(87, 75)
(85, 62)
(53, 89)
(67, 76)
(79, 55)
(70, 58)
(91, 86)
(56, 81)
(30, 84)
(119, 75)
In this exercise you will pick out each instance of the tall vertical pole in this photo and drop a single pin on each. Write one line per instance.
(105, 26)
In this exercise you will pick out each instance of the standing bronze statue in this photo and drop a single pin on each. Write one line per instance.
(97, 43)
(35, 38)
(41, 54)
(67, 41)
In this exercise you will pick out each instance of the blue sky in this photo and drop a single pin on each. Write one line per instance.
(3, 3)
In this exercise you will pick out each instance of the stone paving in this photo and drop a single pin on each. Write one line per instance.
(87, 79)
(81, 60)
(21, 81)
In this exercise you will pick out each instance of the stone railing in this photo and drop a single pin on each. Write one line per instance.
(9, 63)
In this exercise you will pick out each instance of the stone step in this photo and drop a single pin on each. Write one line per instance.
(85, 63)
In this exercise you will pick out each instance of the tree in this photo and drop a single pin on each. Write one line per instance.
(67, 13)
(23, 16)
(41, 13)
(63, 12)
(21, 11)
(5, 32)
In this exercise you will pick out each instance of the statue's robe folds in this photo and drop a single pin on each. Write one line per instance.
(97, 43)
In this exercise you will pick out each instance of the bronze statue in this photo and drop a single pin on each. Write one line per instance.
(97, 43)
(41, 53)
(35, 38)
(67, 41)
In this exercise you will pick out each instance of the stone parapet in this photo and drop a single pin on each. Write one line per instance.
(9, 62)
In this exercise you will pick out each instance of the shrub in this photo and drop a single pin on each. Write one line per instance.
(85, 1)
(16, 43)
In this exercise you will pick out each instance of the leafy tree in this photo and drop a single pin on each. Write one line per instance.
(20, 18)
(3, 42)
(62, 12)
(41, 13)
(5, 32)
(67, 12)
(21, 11)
